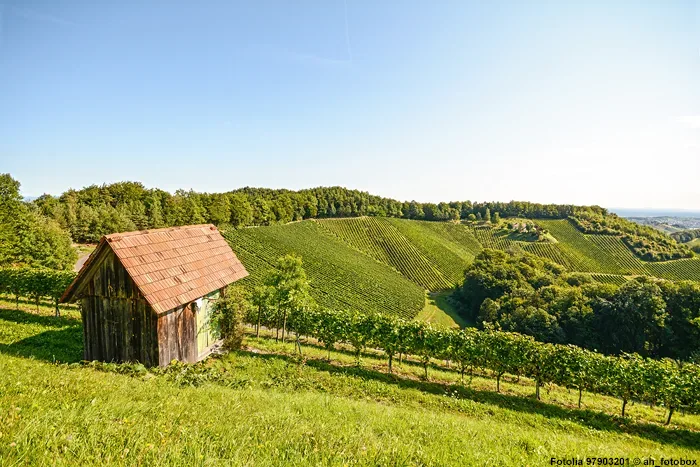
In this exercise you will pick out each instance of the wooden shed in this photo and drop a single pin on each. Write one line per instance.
(147, 296)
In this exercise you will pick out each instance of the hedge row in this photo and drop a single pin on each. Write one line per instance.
(628, 377)
(35, 283)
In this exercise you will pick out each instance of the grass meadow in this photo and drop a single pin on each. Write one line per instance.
(267, 405)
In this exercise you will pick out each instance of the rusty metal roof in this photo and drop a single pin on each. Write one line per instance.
(173, 266)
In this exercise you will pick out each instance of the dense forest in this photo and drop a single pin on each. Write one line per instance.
(94, 211)
(519, 292)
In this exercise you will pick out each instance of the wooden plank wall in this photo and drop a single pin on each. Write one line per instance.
(176, 335)
(118, 323)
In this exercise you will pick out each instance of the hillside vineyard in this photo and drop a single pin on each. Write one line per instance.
(383, 264)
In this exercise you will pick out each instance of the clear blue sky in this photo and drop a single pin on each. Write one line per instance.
(546, 101)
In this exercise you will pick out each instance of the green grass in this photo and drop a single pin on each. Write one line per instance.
(84, 248)
(268, 407)
(440, 311)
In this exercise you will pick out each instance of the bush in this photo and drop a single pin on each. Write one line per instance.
(229, 316)
(35, 283)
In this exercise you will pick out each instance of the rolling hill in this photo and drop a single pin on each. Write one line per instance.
(386, 264)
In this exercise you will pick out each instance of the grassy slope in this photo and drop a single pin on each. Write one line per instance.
(439, 311)
(270, 409)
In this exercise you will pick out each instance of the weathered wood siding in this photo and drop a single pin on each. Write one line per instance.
(176, 335)
(118, 324)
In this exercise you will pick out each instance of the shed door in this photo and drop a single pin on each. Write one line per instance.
(206, 335)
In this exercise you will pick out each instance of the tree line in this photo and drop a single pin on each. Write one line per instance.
(48, 223)
(685, 236)
(283, 305)
(94, 211)
(519, 292)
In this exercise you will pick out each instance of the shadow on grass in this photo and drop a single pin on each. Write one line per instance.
(64, 345)
(589, 418)
(443, 301)
(28, 317)
(10, 301)
(62, 341)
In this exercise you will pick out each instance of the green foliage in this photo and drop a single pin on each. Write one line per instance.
(449, 247)
(685, 236)
(93, 211)
(596, 254)
(35, 283)
(262, 311)
(290, 289)
(522, 293)
(496, 276)
(628, 377)
(433, 255)
(27, 238)
(229, 315)
(593, 253)
(328, 327)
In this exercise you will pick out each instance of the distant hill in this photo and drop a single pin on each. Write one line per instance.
(668, 224)
(631, 212)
